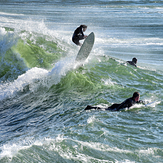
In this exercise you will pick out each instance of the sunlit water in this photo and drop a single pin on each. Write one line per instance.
(43, 91)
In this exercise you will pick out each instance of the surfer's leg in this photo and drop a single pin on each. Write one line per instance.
(79, 44)
(76, 41)
(112, 107)
(89, 107)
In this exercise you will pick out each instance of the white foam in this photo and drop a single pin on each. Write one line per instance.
(2, 31)
(10, 88)
(11, 150)
(149, 151)
(109, 82)
(13, 14)
(91, 119)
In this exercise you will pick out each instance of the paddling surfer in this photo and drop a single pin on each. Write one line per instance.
(79, 35)
(126, 104)
(133, 62)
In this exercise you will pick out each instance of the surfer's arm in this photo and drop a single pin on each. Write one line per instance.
(82, 36)
(81, 32)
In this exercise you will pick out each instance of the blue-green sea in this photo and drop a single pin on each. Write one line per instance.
(43, 91)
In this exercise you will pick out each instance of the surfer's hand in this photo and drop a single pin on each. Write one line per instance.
(142, 102)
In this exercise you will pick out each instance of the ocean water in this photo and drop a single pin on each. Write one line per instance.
(43, 91)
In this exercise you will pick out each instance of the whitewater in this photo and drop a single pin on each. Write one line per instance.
(43, 91)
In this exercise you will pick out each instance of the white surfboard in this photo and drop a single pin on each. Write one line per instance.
(86, 48)
(151, 103)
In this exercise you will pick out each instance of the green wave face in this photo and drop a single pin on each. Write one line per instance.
(25, 50)
(38, 51)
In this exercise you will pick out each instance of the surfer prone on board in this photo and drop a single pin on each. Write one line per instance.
(79, 35)
(126, 104)
(133, 62)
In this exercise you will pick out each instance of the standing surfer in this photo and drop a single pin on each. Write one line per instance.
(79, 35)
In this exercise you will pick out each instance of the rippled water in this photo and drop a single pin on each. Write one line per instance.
(43, 92)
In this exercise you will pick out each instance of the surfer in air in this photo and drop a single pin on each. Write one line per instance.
(79, 35)
(133, 62)
(116, 107)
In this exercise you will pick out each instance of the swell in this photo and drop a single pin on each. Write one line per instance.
(54, 122)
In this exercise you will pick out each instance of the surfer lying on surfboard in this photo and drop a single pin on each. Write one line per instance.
(79, 35)
(126, 104)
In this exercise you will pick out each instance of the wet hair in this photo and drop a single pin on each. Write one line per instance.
(83, 26)
(136, 94)
(134, 60)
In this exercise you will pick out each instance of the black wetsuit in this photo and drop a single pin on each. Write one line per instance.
(131, 63)
(116, 107)
(78, 35)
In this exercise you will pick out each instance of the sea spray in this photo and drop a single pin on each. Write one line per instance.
(62, 67)
(9, 89)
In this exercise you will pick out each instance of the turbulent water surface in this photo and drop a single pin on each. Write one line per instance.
(43, 91)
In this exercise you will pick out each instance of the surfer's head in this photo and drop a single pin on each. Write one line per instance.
(134, 60)
(136, 96)
(84, 27)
